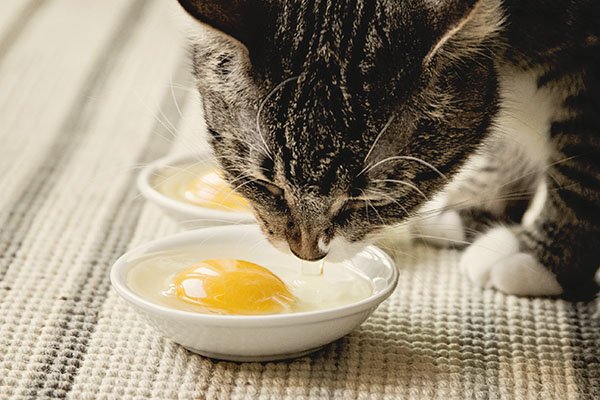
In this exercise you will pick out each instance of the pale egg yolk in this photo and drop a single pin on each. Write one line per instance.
(228, 286)
(211, 190)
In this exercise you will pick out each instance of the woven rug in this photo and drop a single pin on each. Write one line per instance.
(92, 90)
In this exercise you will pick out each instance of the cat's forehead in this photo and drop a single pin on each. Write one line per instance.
(330, 72)
(317, 134)
(307, 34)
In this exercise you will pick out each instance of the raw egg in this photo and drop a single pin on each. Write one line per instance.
(229, 286)
(203, 281)
(201, 186)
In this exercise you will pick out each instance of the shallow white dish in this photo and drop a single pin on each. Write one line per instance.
(185, 214)
(255, 337)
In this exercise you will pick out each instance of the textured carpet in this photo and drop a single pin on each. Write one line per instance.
(90, 91)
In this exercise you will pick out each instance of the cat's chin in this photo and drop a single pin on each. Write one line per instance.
(341, 250)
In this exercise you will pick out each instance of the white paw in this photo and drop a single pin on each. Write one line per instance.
(442, 229)
(494, 261)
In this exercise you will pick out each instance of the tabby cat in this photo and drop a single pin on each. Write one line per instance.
(476, 121)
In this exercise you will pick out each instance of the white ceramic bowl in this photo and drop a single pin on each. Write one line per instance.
(185, 214)
(255, 337)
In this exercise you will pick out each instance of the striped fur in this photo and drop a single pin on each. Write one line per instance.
(340, 118)
(64, 334)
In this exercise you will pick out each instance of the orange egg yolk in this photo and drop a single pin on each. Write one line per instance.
(211, 190)
(228, 286)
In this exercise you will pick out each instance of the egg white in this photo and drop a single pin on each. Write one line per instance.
(151, 277)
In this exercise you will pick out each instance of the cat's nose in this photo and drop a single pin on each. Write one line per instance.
(305, 246)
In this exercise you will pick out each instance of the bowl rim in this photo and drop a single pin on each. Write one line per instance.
(151, 194)
(118, 270)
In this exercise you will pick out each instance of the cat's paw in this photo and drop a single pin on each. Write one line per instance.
(495, 261)
(444, 229)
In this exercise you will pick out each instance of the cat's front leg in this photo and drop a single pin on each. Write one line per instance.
(498, 260)
(556, 248)
(553, 253)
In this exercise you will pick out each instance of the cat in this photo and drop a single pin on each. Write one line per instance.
(476, 121)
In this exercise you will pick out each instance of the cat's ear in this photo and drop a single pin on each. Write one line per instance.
(462, 26)
(237, 18)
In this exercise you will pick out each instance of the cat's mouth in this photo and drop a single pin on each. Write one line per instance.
(309, 258)
(319, 254)
(338, 250)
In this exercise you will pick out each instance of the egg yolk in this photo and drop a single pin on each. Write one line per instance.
(228, 286)
(211, 190)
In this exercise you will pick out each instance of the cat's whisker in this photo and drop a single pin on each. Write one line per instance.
(190, 221)
(261, 107)
(407, 158)
(179, 170)
(534, 171)
(446, 239)
(175, 99)
(159, 178)
(167, 126)
(393, 251)
(442, 238)
(171, 127)
(181, 87)
(367, 212)
(467, 204)
(241, 177)
(234, 158)
(405, 183)
(235, 189)
(375, 210)
(390, 198)
(385, 127)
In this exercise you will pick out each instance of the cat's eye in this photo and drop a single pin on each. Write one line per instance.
(343, 215)
(354, 204)
(268, 193)
(271, 188)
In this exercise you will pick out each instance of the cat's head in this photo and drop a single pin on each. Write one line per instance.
(337, 118)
